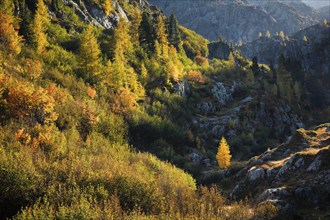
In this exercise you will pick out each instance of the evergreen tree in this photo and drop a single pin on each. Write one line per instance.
(39, 27)
(255, 65)
(147, 33)
(8, 35)
(89, 54)
(223, 156)
(284, 81)
(174, 37)
(25, 20)
(144, 75)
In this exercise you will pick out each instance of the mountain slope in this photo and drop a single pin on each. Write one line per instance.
(240, 20)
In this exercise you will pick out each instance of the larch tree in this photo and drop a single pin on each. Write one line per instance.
(39, 26)
(136, 18)
(223, 156)
(107, 7)
(8, 35)
(123, 47)
(89, 53)
(162, 37)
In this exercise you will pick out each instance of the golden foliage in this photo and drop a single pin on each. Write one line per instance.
(9, 37)
(89, 53)
(39, 27)
(125, 101)
(107, 7)
(200, 60)
(33, 68)
(36, 105)
(223, 156)
(195, 76)
(91, 92)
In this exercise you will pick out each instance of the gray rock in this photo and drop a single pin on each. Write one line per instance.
(218, 130)
(287, 166)
(219, 50)
(195, 157)
(274, 194)
(255, 174)
(212, 19)
(315, 165)
(182, 88)
(222, 94)
(270, 172)
(299, 163)
(206, 107)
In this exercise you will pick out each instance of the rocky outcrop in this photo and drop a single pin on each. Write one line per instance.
(182, 88)
(219, 50)
(240, 20)
(289, 181)
(255, 174)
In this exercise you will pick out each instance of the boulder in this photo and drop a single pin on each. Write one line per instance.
(274, 194)
(315, 165)
(221, 93)
(255, 174)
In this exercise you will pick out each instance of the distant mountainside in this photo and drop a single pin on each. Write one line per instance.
(241, 20)
(325, 12)
(311, 46)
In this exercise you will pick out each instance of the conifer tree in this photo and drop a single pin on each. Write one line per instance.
(107, 7)
(144, 74)
(136, 19)
(174, 37)
(8, 35)
(89, 53)
(231, 61)
(255, 65)
(223, 156)
(123, 48)
(39, 27)
(25, 20)
(147, 33)
(284, 80)
(162, 37)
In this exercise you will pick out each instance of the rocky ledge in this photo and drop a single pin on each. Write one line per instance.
(294, 176)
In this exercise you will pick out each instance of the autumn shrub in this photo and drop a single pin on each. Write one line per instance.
(201, 61)
(195, 77)
(33, 105)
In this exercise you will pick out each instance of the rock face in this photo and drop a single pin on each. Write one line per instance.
(325, 12)
(289, 181)
(219, 50)
(255, 174)
(268, 49)
(240, 20)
